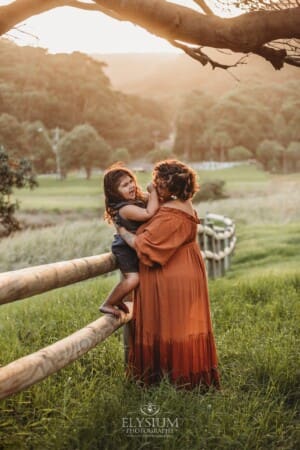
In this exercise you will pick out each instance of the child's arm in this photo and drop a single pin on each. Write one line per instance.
(139, 214)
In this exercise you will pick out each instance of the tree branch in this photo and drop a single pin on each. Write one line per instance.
(93, 7)
(292, 61)
(205, 8)
(199, 55)
(275, 57)
(241, 34)
(247, 33)
(19, 10)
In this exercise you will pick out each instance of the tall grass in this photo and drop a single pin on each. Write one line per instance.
(82, 406)
(275, 204)
(59, 243)
(255, 311)
(269, 220)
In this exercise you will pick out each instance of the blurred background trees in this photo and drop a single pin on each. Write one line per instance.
(61, 113)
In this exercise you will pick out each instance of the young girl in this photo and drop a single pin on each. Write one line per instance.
(127, 206)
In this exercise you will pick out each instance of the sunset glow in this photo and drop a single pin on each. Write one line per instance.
(64, 30)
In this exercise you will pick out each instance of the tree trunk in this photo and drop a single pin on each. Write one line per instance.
(88, 171)
(19, 10)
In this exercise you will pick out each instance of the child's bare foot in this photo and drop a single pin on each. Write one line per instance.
(110, 310)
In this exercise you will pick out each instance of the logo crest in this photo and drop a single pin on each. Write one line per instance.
(149, 409)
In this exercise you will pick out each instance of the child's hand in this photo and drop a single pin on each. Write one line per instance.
(150, 187)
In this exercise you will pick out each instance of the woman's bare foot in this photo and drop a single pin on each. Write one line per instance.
(110, 310)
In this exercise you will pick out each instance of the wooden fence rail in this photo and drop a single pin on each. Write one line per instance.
(217, 243)
(24, 283)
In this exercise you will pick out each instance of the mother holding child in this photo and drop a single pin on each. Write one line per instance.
(158, 254)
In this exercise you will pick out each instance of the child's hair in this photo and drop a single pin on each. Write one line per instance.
(111, 182)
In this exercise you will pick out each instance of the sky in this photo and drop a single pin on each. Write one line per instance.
(64, 30)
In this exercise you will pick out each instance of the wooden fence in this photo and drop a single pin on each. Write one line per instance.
(217, 240)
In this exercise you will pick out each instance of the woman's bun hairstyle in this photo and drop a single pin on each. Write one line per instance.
(177, 177)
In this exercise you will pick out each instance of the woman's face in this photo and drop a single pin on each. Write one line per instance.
(127, 188)
(163, 192)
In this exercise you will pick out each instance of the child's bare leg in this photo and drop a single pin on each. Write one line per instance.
(129, 282)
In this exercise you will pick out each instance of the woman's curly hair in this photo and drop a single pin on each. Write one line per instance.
(111, 182)
(178, 178)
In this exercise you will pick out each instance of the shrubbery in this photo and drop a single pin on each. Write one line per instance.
(13, 174)
(210, 190)
(239, 153)
(159, 154)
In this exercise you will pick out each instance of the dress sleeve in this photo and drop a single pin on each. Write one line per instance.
(159, 240)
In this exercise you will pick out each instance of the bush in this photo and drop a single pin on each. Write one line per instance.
(13, 174)
(270, 153)
(293, 157)
(120, 154)
(210, 190)
(159, 154)
(239, 153)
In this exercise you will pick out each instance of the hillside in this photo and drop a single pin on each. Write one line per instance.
(162, 75)
(46, 91)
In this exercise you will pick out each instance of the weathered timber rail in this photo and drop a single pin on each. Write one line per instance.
(217, 240)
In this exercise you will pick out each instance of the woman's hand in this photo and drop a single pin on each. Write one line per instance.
(115, 224)
(128, 237)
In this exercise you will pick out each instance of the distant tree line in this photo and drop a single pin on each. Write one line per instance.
(60, 110)
(259, 121)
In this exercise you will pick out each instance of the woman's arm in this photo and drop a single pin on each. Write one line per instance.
(128, 237)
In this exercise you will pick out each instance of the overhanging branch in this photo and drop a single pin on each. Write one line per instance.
(93, 7)
(205, 8)
(247, 33)
(197, 54)
(276, 57)
(244, 33)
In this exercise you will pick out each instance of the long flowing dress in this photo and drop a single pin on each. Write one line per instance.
(171, 330)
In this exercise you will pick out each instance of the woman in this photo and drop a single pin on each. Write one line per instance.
(171, 328)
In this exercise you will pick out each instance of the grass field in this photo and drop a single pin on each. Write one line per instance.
(81, 194)
(255, 312)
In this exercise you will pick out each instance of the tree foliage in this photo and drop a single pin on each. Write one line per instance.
(68, 90)
(83, 148)
(239, 153)
(14, 173)
(244, 118)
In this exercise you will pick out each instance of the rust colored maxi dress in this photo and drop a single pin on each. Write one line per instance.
(171, 331)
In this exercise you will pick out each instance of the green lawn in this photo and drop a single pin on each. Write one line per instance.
(73, 193)
(266, 250)
(80, 194)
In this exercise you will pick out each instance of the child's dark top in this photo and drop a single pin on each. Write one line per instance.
(126, 256)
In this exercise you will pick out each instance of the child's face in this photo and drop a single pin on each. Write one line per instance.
(127, 188)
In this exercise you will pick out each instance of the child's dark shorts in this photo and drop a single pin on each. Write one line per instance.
(126, 256)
